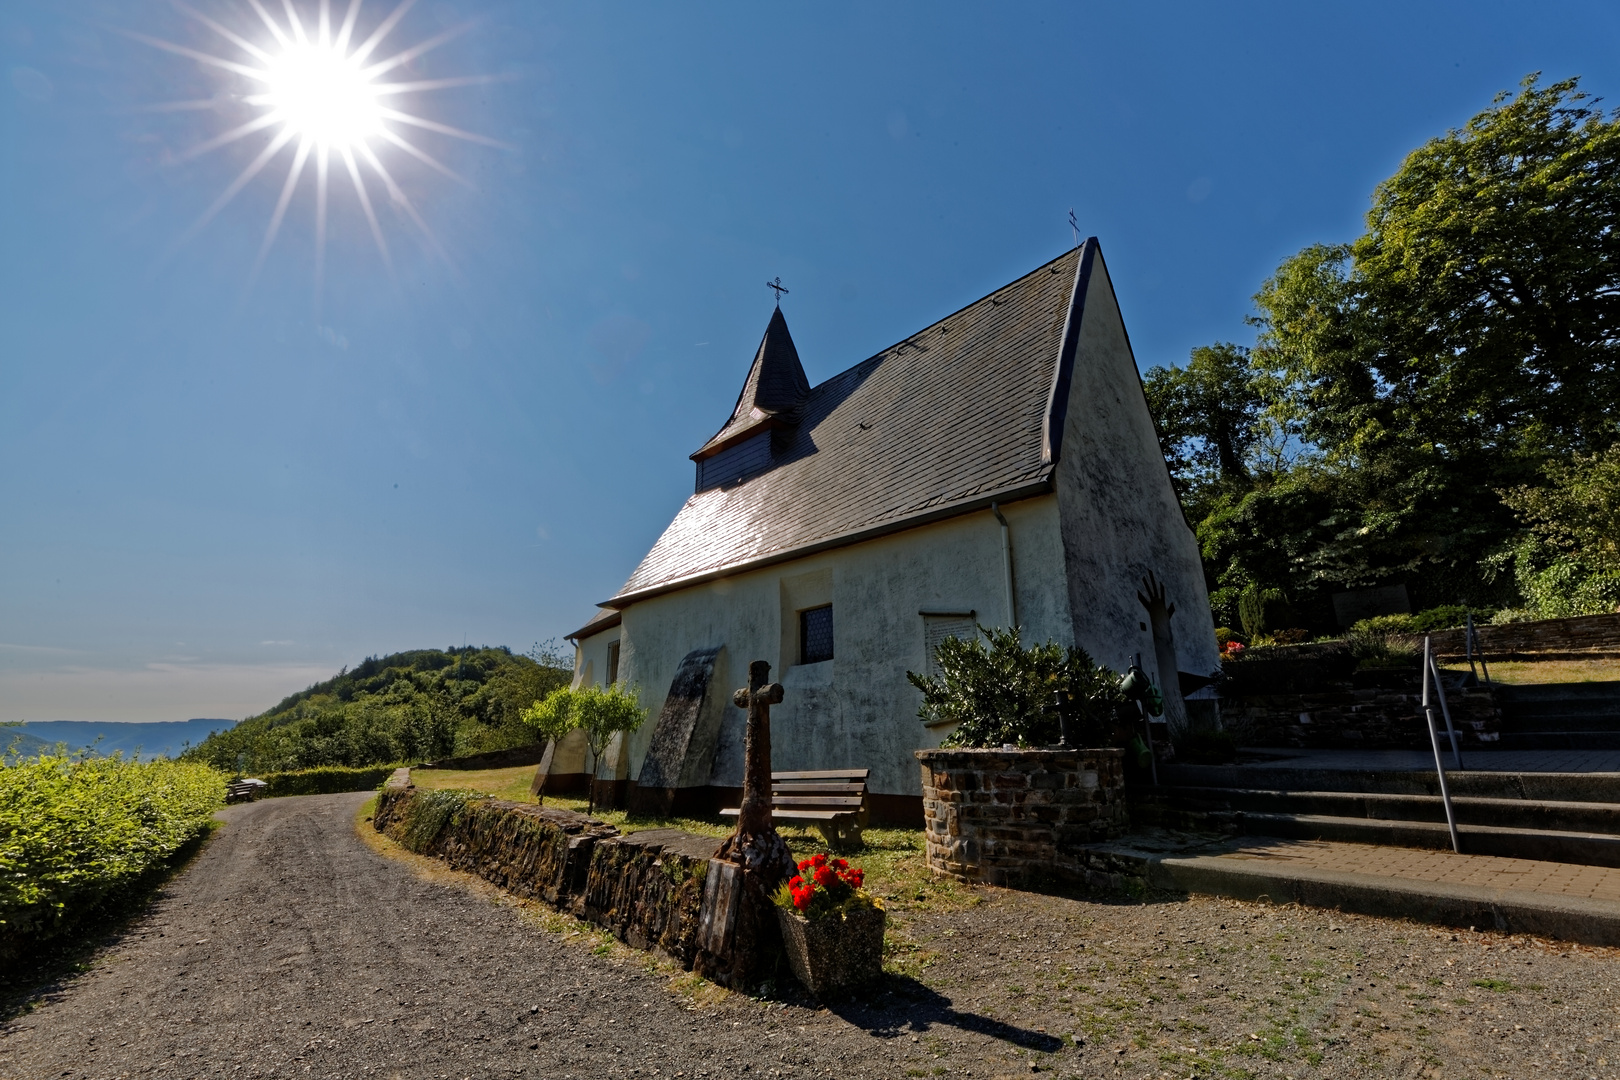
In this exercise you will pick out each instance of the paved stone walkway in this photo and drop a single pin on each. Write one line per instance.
(1487, 871)
(1577, 761)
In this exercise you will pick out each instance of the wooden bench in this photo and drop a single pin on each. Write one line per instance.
(244, 790)
(833, 800)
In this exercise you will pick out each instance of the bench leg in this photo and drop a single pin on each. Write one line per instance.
(841, 835)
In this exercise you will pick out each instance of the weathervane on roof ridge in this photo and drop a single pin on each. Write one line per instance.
(779, 287)
(1075, 226)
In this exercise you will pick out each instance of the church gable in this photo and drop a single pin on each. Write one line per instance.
(947, 420)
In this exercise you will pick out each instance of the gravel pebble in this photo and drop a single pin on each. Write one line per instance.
(291, 948)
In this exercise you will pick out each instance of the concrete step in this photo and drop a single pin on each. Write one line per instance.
(1559, 740)
(1562, 721)
(1488, 784)
(1557, 816)
(1586, 849)
(1526, 694)
(1243, 868)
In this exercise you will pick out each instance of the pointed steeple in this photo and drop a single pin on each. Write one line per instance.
(772, 395)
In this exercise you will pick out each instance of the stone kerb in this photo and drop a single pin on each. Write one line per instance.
(644, 888)
(1019, 817)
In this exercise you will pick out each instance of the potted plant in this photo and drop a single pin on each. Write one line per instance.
(831, 928)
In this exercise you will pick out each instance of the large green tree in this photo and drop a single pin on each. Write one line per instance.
(1467, 340)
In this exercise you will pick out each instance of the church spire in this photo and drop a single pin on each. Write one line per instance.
(772, 395)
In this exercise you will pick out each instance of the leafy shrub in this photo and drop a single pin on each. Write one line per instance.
(1001, 692)
(1252, 602)
(1444, 617)
(328, 780)
(1384, 625)
(1292, 636)
(1374, 648)
(429, 812)
(76, 833)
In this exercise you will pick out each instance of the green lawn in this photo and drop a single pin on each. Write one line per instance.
(1515, 672)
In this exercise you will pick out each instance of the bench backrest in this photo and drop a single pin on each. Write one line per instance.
(820, 789)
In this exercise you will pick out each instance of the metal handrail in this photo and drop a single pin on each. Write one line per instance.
(1430, 671)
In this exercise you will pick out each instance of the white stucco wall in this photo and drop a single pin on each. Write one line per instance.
(1120, 516)
(858, 708)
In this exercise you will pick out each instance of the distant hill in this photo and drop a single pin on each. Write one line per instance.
(148, 740)
(410, 706)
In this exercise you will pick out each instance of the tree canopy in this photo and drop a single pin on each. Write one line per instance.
(418, 705)
(1465, 344)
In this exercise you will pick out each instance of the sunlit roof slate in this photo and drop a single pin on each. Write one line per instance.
(947, 418)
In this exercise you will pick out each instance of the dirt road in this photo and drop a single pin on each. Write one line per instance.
(290, 948)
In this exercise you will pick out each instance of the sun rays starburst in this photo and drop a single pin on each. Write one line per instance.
(327, 103)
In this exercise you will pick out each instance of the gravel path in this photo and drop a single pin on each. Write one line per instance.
(291, 948)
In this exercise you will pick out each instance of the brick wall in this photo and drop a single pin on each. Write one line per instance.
(1018, 817)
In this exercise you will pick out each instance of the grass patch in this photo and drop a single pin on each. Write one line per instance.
(1495, 986)
(1519, 672)
(511, 784)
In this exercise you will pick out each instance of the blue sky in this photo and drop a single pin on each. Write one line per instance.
(214, 495)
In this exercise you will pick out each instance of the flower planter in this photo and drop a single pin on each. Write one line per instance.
(832, 954)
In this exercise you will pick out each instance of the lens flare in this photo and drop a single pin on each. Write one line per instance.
(320, 96)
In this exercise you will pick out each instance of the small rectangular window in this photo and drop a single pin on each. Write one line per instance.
(816, 635)
(613, 663)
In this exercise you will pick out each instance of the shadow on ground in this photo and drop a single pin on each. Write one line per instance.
(921, 1008)
(44, 972)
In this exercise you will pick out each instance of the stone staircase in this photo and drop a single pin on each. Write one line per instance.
(1554, 817)
(1560, 716)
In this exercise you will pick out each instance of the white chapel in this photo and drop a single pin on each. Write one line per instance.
(998, 467)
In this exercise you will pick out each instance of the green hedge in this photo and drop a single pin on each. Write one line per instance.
(76, 833)
(327, 780)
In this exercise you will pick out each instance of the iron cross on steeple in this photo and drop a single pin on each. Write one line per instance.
(779, 287)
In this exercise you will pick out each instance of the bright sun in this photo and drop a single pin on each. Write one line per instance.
(315, 81)
(323, 95)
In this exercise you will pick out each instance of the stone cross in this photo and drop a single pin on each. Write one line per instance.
(757, 697)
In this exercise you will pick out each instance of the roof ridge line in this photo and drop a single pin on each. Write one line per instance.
(943, 318)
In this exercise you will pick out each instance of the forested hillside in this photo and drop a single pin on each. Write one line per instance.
(411, 706)
(1434, 404)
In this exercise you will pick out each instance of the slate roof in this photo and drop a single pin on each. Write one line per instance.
(773, 393)
(936, 425)
(604, 619)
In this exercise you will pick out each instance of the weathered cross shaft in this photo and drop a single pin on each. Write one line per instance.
(757, 697)
(738, 935)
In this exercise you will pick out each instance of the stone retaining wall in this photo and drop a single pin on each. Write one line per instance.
(1363, 710)
(1019, 817)
(644, 888)
(1544, 639)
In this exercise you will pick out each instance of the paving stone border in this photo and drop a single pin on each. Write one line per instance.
(645, 888)
(1020, 817)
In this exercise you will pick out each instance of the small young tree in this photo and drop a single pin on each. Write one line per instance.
(996, 691)
(599, 712)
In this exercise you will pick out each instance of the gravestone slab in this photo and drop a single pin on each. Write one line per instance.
(676, 736)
